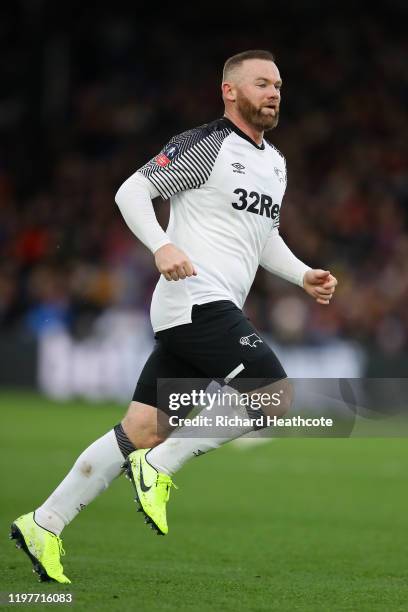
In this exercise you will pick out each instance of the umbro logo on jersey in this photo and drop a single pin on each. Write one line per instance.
(251, 340)
(279, 174)
(238, 168)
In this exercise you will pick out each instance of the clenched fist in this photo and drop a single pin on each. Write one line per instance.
(320, 284)
(173, 263)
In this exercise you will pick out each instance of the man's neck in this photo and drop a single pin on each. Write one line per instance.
(249, 130)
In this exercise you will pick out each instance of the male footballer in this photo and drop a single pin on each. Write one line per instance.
(225, 184)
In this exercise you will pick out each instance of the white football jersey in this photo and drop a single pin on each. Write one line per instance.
(225, 196)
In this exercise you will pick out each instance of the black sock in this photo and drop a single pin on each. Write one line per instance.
(125, 445)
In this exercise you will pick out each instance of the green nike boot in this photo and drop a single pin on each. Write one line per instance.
(42, 547)
(152, 489)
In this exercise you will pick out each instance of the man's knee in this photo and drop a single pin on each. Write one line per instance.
(144, 425)
(277, 398)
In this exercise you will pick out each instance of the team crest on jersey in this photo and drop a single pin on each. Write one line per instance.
(251, 340)
(168, 154)
(279, 173)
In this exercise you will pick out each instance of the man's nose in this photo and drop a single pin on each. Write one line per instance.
(273, 94)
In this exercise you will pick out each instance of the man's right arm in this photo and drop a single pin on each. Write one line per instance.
(134, 199)
(184, 163)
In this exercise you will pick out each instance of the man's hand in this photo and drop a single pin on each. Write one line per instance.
(320, 284)
(173, 263)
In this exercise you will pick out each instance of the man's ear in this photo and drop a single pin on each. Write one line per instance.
(228, 92)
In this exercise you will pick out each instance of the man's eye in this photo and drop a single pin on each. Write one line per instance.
(261, 85)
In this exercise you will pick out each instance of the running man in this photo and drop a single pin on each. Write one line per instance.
(225, 183)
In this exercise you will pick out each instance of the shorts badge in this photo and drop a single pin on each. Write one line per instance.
(251, 340)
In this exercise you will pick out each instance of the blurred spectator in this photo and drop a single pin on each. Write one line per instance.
(97, 100)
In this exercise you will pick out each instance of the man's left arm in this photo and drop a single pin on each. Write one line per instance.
(278, 259)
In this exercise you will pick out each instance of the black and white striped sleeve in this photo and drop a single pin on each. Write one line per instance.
(186, 161)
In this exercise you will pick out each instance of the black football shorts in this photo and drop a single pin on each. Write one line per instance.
(219, 344)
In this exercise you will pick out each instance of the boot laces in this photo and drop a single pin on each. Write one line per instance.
(165, 483)
(60, 547)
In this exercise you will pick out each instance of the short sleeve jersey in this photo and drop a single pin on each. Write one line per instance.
(225, 196)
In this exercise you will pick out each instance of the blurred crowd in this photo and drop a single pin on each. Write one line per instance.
(92, 99)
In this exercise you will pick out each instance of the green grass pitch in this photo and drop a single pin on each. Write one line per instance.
(293, 524)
